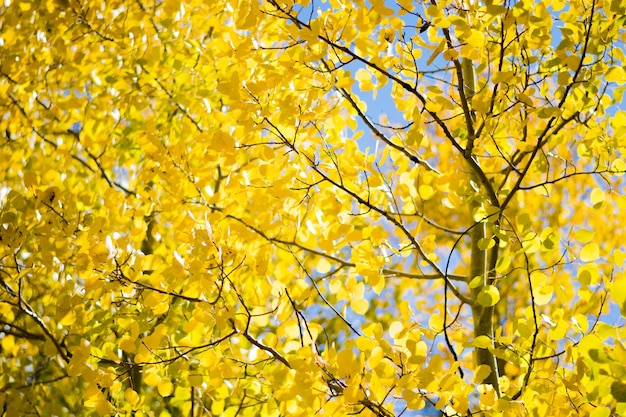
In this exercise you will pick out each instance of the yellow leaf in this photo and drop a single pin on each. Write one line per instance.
(476, 282)
(435, 323)
(68, 319)
(581, 322)
(364, 77)
(376, 390)
(127, 344)
(488, 296)
(588, 274)
(584, 235)
(618, 294)
(345, 82)
(261, 263)
(170, 7)
(525, 99)
(165, 387)
(590, 252)
(347, 364)
(487, 396)
(426, 191)
(549, 112)
(501, 76)
(486, 243)
(152, 379)
(597, 197)
(217, 407)
(230, 87)
(414, 137)
(365, 343)
(476, 39)
(359, 305)
(433, 11)
(483, 342)
(436, 52)
(377, 281)
(451, 54)
(481, 373)
(78, 363)
(49, 196)
(543, 295)
(559, 331)
(600, 412)
(557, 5)
(374, 329)
(414, 401)
(420, 348)
(618, 167)
(159, 303)
(131, 396)
(99, 253)
(104, 407)
(396, 329)
(503, 263)
(323, 266)
(353, 394)
(196, 380)
(376, 356)
(8, 345)
(616, 75)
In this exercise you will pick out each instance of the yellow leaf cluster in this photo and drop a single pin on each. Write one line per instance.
(269, 208)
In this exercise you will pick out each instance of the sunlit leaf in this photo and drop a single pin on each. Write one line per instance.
(488, 296)
(482, 372)
(600, 412)
(165, 387)
(482, 342)
(597, 197)
(590, 252)
(616, 75)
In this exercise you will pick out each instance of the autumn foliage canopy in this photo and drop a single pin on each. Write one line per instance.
(298, 208)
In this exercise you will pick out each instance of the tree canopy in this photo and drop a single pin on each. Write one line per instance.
(295, 207)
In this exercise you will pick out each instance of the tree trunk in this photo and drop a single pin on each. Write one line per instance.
(480, 264)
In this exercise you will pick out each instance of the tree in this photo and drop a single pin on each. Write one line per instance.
(200, 215)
